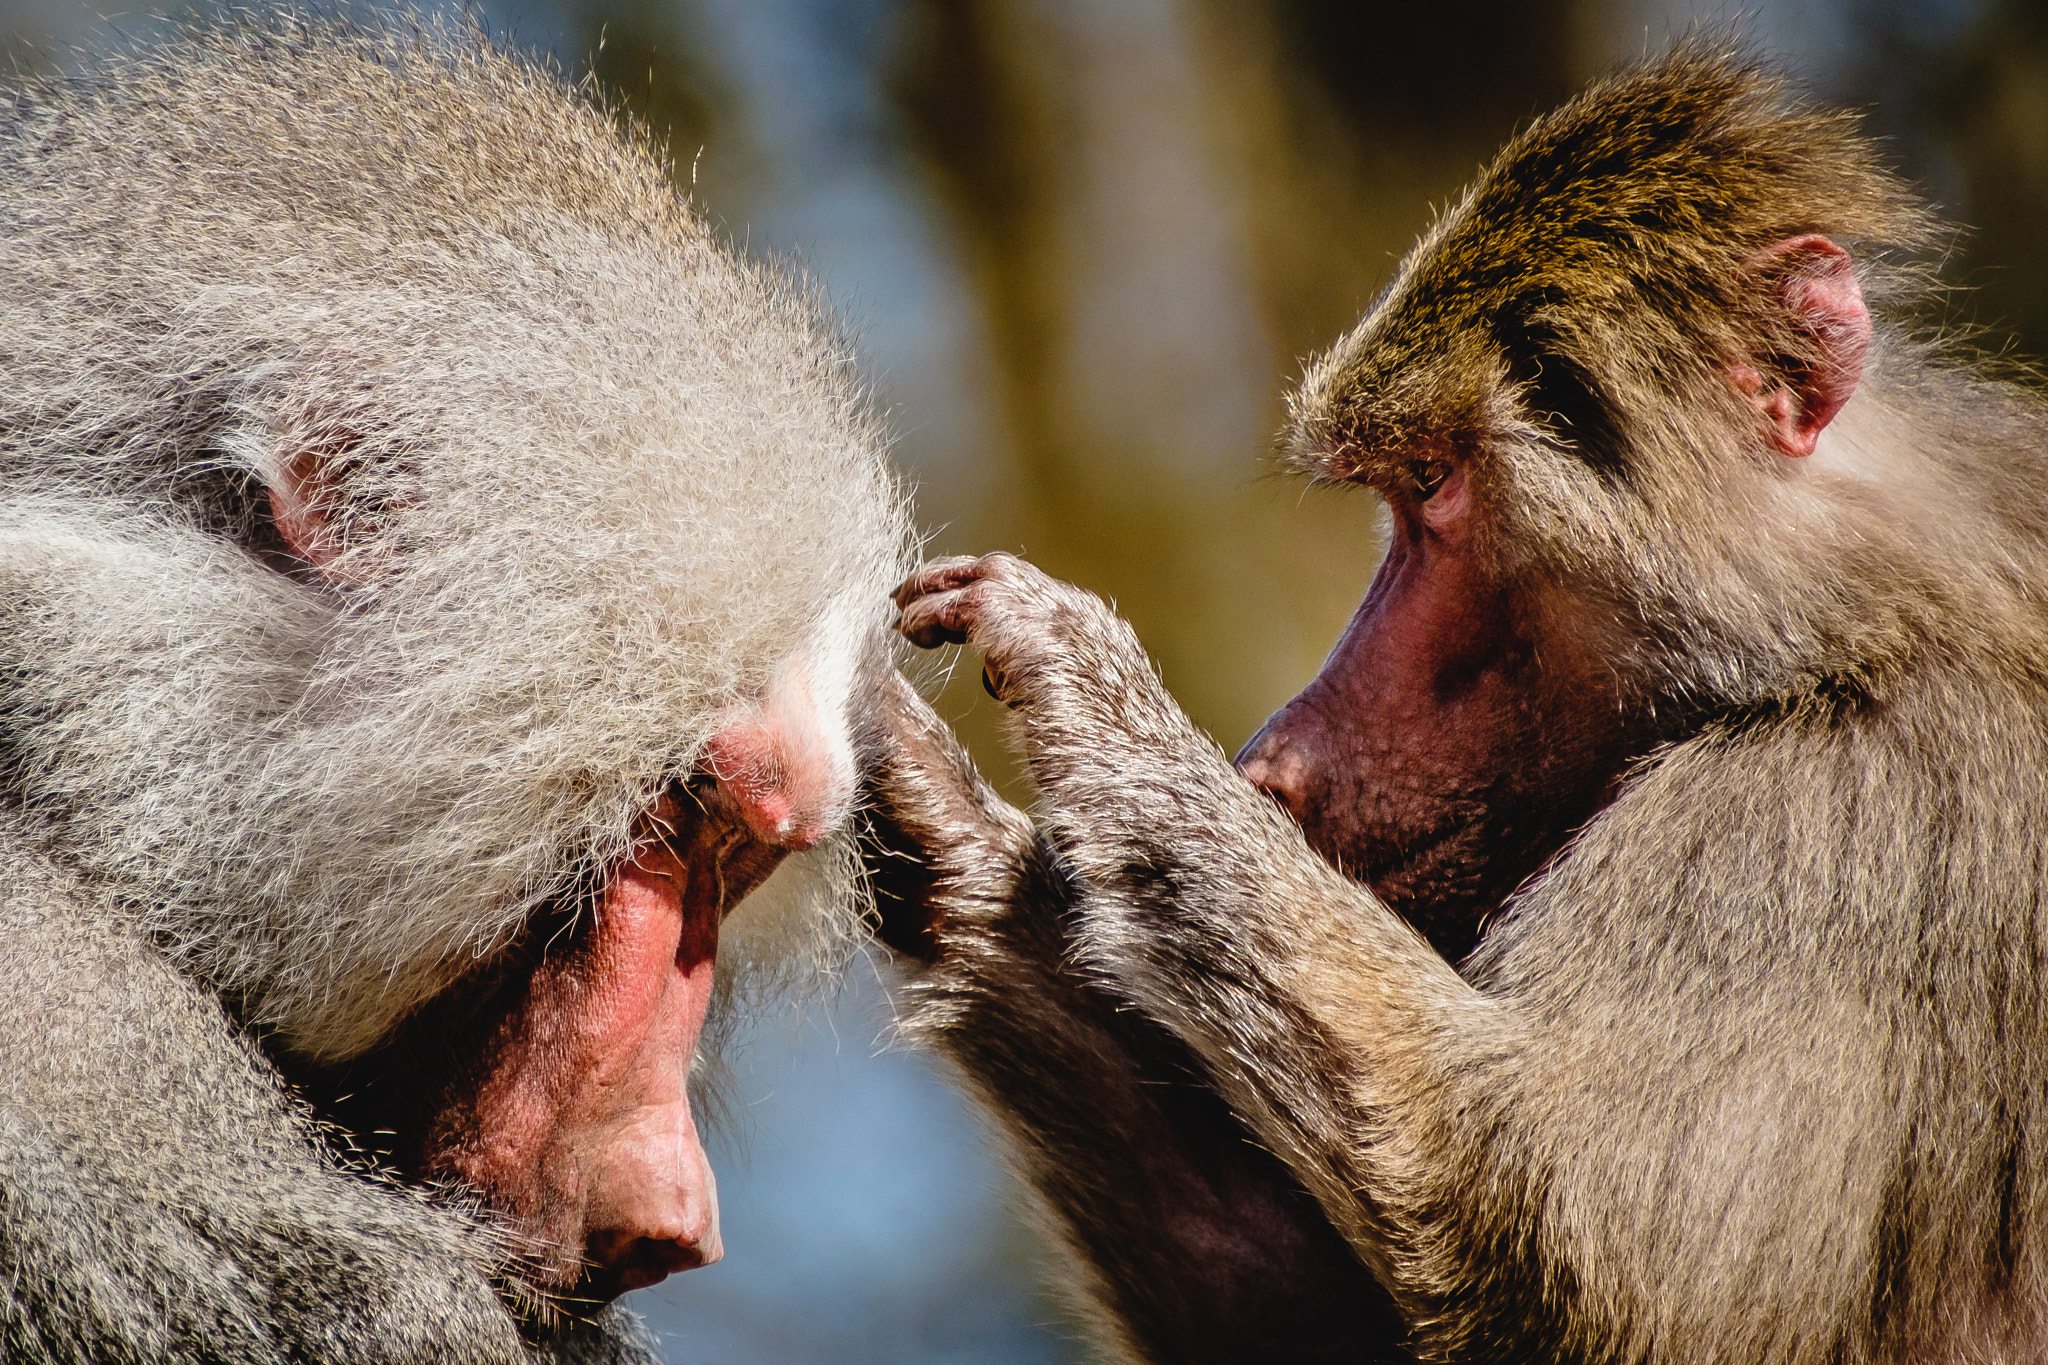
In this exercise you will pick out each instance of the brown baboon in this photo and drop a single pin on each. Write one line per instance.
(1699, 711)
(438, 582)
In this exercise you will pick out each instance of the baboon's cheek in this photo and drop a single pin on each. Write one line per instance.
(1412, 711)
(582, 1128)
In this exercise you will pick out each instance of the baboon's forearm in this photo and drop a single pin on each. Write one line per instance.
(1196, 1239)
(1321, 1017)
(1198, 1242)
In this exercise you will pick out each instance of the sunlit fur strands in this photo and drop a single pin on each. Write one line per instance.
(1567, 322)
(652, 456)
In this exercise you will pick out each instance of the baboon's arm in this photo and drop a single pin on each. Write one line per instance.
(1319, 1015)
(1197, 1242)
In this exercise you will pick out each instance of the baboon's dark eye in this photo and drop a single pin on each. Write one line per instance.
(692, 789)
(1429, 476)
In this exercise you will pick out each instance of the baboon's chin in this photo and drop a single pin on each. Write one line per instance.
(599, 1285)
(551, 1282)
(560, 1284)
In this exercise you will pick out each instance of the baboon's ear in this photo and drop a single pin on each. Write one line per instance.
(1813, 281)
(300, 508)
(317, 439)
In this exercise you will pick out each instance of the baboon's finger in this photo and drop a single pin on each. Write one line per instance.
(945, 618)
(938, 575)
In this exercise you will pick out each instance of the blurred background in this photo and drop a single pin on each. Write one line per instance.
(1086, 245)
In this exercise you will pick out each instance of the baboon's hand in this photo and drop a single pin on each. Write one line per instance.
(1028, 625)
(938, 837)
(1093, 715)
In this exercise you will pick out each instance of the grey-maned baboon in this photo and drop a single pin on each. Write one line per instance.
(437, 580)
(1704, 688)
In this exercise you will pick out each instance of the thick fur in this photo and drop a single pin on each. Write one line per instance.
(162, 1199)
(592, 480)
(1750, 1071)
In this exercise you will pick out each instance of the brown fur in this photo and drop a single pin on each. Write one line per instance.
(1745, 1070)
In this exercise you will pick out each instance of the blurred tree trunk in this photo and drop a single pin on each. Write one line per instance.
(1996, 107)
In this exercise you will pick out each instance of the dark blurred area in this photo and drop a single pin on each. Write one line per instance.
(1086, 244)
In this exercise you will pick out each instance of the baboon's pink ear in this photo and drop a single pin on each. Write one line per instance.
(300, 508)
(1815, 282)
(317, 436)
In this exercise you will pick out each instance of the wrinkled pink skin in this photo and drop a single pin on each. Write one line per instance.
(778, 765)
(579, 1119)
(1461, 729)
(554, 1087)
(579, 1123)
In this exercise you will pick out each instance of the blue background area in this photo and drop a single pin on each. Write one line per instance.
(864, 1217)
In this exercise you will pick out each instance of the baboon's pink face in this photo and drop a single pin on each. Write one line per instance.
(572, 1113)
(1446, 747)
(1465, 724)
(555, 1088)
(578, 1121)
